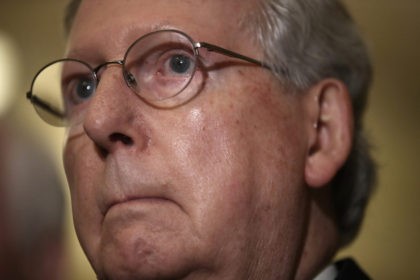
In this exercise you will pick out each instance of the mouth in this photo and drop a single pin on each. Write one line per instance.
(134, 201)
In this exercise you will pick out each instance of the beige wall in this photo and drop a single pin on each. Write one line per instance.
(388, 246)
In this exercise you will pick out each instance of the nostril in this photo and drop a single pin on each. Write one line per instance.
(103, 153)
(119, 137)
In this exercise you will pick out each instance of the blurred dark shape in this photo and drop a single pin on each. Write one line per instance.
(31, 210)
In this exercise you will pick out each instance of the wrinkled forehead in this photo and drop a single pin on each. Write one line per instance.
(218, 21)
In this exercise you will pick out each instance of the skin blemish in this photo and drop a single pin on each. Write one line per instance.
(241, 73)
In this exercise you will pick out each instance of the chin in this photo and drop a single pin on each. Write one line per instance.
(136, 252)
(135, 259)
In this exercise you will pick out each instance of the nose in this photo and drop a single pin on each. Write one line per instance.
(114, 119)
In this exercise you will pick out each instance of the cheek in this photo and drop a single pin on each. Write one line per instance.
(209, 160)
(236, 150)
(81, 172)
(79, 166)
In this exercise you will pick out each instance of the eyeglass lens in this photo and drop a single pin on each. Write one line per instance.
(160, 67)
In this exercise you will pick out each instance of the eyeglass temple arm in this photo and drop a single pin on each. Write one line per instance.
(43, 105)
(214, 48)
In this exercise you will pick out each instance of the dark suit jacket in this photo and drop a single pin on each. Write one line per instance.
(349, 270)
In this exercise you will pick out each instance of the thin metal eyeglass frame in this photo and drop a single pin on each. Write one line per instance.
(196, 46)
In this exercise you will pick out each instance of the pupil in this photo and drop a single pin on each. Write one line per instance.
(180, 64)
(85, 89)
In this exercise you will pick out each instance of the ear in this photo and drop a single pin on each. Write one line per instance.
(330, 129)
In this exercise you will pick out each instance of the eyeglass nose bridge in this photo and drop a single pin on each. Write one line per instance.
(128, 77)
(105, 64)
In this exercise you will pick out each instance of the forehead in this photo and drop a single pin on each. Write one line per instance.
(105, 21)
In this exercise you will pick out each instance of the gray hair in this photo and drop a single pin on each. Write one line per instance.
(306, 41)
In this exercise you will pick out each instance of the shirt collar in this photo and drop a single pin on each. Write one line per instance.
(329, 273)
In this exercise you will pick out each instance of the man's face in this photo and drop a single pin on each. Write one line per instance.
(213, 189)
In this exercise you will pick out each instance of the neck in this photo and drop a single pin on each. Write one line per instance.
(322, 238)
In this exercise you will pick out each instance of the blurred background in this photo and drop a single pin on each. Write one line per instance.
(31, 34)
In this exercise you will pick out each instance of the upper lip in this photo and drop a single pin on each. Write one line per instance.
(121, 184)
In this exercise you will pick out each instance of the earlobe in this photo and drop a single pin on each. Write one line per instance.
(331, 132)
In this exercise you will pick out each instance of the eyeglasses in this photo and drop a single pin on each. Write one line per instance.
(160, 67)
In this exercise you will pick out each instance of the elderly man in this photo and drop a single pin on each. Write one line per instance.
(212, 139)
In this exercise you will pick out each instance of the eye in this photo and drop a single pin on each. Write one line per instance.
(180, 64)
(160, 71)
(78, 90)
(174, 65)
(84, 89)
